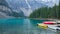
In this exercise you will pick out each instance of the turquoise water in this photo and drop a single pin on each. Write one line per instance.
(23, 26)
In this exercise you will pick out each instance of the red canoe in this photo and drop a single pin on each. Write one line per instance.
(49, 22)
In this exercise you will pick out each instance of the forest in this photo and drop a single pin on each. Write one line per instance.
(46, 12)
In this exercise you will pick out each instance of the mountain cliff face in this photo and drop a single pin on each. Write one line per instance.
(3, 8)
(26, 6)
(6, 11)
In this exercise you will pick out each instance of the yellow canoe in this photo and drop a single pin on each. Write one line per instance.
(44, 26)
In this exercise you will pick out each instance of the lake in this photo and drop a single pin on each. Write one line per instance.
(23, 26)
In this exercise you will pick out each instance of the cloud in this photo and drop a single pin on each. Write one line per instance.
(50, 2)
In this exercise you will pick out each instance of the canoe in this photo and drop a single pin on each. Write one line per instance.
(49, 22)
(54, 27)
(44, 26)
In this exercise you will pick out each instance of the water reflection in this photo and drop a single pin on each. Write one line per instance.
(22, 26)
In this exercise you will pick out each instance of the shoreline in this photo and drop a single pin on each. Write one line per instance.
(51, 19)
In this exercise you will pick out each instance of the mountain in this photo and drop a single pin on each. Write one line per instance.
(3, 8)
(35, 5)
(6, 11)
(15, 4)
(21, 8)
(26, 6)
